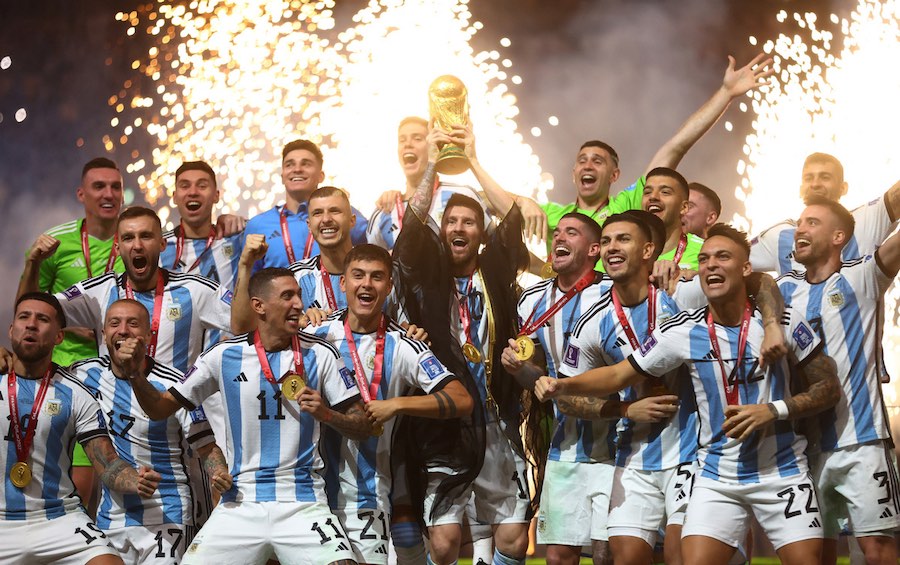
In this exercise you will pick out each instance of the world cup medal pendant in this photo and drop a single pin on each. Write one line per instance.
(377, 430)
(471, 353)
(292, 385)
(526, 348)
(20, 474)
(547, 271)
(448, 107)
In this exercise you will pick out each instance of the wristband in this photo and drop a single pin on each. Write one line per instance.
(781, 409)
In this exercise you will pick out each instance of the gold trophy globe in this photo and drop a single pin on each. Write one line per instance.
(448, 106)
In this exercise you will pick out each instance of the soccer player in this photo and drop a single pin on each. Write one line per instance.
(480, 288)
(43, 520)
(856, 472)
(285, 227)
(823, 175)
(703, 210)
(666, 196)
(751, 458)
(392, 367)
(194, 245)
(158, 529)
(277, 386)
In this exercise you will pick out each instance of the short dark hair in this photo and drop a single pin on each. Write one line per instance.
(138, 212)
(732, 233)
(593, 228)
(602, 145)
(845, 219)
(413, 120)
(262, 279)
(46, 298)
(303, 144)
(131, 302)
(98, 163)
(326, 191)
(709, 194)
(671, 173)
(458, 199)
(369, 252)
(196, 166)
(650, 225)
(819, 157)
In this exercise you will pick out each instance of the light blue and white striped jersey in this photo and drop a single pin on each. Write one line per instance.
(773, 249)
(69, 413)
(312, 288)
(358, 473)
(478, 330)
(777, 451)
(599, 340)
(573, 439)
(383, 229)
(159, 444)
(843, 310)
(219, 264)
(272, 447)
(191, 306)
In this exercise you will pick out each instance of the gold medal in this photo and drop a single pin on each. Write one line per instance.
(547, 271)
(471, 353)
(526, 348)
(20, 474)
(377, 430)
(292, 385)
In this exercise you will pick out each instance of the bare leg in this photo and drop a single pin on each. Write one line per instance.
(706, 550)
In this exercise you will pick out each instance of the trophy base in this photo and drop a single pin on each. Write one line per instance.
(451, 160)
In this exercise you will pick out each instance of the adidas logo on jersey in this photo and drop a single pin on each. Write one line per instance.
(274, 235)
(78, 263)
(382, 549)
(886, 513)
(710, 356)
(815, 523)
(342, 547)
(242, 378)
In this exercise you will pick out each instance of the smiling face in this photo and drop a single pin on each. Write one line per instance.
(195, 195)
(279, 306)
(699, 215)
(34, 331)
(140, 243)
(593, 174)
(301, 173)
(462, 234)
(822, 178)
(412, 150)
(367, 285)
(664, 198)
(125, 319)
(625, 252)
(723, 266)
(817, 235)
(101, 193)
(330, 220)
(572, 249)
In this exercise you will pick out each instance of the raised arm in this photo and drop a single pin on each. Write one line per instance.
(735, 83)
(892, 201)
(888, 255)
(601, 381)
(452, 401)
(116, 474)
(242, 318)
(158, 405)
(771, 305)
(420, 202)
(43, 247)
(500, 200)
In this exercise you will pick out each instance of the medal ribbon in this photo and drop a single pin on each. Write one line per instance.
(623, 319)
(580, 285)
(157, 309)
(400, 210)
(464, 317)
(368, 392)
(86, 251)
(23, 445)
(286, 236)
(326, 283)
(679, 251)
(179, 247)
(731, 392)
(264, 361)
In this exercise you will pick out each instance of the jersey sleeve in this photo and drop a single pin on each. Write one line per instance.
(47, 274)
(89, 420)
(802, 340)
(873, 225)
(82, 306)
(421, 368)
(215, 309)
(689, 294)
(868, 276)
(765, 249)
(583, 350)
(358, 233)
(378, 231)
(196, 427)
(663, 351)
(630, 198)
(336, 382)
(199, 383)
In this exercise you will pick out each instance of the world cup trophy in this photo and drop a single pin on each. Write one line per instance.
(448, 106)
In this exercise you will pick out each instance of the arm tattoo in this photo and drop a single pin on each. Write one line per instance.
(353, 423)
(768, 297)
(446, 405)
(421, 199)
(585, 407)
(822, 392)
(213, 460)
(115, 473)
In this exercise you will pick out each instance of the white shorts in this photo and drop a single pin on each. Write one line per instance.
(296, 533)
(501, 488)
(786, 508)
(644, 501)
(367, 530)
(574, 503)
(71, 539)
(859, 483)
(163, 544)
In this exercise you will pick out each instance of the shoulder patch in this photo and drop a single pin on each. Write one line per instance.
(347, 377)
(803, 335)
(198, 415)
(571, 356)
(227, 297)
(648, 344)
(72, 293)
(431, 366)
(189, 372)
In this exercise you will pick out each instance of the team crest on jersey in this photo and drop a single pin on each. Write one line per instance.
(571, 356)
(803, 335)
(53, 407)
(836, 298)
(228, 250)
(431, 366)
(173, 312)
(347, 377)
(71, 293)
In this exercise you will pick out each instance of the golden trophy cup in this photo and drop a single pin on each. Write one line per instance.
(448, 106)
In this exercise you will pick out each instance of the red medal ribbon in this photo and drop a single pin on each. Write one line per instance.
(286, 236)
(86, 251)
(157, 309)
(679, 251)
(623, 319)
(464, 317)
(326, 283)
(580, 285)
(264, 361)
(179, 247)
(23, 445)
(731, 392)
(400, 210)
(367, 391)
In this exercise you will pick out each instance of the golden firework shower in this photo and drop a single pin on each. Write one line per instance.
(230, 82)
(833, 100)
(448, 106)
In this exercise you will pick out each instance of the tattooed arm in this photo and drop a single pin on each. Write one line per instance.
(771, 305)
(216, 468)
(452, 401)
(650, 409)
(116, 474)
(352, 422)
(420, 202)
